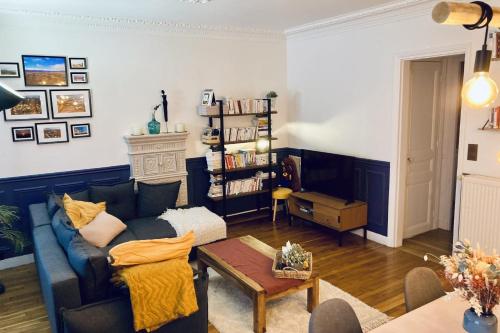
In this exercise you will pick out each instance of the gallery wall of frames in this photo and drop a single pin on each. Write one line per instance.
(54, 105)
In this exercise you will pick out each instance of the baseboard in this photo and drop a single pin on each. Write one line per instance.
(373, 236)
(17, 261)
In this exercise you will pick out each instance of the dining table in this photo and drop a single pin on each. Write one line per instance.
(443, 315)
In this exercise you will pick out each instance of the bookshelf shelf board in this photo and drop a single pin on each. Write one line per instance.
(238, 142)
(240, 195)
(490, 129)
(260, 114)
(253, 167)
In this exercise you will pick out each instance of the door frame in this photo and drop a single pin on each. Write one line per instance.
(401, 134)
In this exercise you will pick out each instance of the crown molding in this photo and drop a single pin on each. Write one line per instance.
(145, 25)
(366, 17)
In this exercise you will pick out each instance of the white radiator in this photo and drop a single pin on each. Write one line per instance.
(480, 211)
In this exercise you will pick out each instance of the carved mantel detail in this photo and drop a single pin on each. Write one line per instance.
(159, 159)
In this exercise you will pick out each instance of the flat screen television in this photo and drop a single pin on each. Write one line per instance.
(329, 174)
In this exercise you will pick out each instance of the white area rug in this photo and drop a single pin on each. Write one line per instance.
(229, 310)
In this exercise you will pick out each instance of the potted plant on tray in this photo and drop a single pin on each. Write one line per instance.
(476, 277)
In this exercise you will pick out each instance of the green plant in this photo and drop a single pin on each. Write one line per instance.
(272, 94)
(8, 216)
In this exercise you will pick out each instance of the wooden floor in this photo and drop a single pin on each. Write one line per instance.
(369, 271)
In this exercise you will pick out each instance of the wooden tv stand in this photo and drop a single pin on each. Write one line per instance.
(329, 211)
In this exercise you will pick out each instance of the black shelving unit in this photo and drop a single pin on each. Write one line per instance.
(222, 147)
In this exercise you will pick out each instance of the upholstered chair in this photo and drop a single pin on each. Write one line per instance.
(334, 316)
(421, 286)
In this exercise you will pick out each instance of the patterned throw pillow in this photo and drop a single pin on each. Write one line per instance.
(82, 212)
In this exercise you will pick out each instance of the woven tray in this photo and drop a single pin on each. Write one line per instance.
(291, 273)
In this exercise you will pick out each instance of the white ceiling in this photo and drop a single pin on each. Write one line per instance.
(258, 14)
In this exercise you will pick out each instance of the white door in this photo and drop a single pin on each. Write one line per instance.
(423, 104)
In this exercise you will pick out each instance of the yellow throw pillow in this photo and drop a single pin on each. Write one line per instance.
(82, 212)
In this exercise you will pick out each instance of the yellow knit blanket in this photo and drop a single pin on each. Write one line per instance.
(160, 279)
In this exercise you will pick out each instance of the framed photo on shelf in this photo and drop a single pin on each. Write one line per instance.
(23, 134)
(44, 71)
(34, 107)
(207, 97)
(9, 69)
(74, 103)
(80, 130)
(51, 132)
(77, 63)
(79, 77)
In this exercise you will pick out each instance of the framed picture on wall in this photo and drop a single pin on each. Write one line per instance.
(80, 130)
(23, 134)
(79, 77)
(34, 107)
(77, 63)
(9, 69)
(73, 103)
(51, 132)
(44, 71)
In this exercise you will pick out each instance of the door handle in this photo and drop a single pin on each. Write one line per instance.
(409, 159)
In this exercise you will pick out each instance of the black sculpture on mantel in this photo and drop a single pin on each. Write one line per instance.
(165, 105)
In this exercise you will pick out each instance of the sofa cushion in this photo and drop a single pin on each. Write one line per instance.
(54, 201)
(151, 228)
(119, 198)
(91, 266)
(154, 199)
(125, 236)
(64, 231)
(101, 230)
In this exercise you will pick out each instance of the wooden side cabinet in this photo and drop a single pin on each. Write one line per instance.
(329, 211)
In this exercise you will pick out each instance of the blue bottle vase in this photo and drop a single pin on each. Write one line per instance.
(154, 126)
(486, 323)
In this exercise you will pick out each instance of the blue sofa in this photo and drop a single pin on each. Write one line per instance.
(76, 289)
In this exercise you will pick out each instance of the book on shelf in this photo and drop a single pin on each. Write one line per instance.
(240, 186)
(240, 159)
(495, 118)
(235, 106)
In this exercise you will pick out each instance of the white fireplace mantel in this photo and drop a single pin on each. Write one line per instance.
(158, 159)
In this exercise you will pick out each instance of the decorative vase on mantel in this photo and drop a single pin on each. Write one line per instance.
(154, 125)
(486, 323)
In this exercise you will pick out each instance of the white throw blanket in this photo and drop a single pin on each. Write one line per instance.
(207, 226)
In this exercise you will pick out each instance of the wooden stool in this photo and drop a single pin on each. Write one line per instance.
(281, 193)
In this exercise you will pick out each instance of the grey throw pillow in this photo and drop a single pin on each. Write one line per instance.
(154, 199)
(54, 201)
(119, 198)
(63, 229)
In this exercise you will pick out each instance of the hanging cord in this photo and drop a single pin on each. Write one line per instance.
(484, 19)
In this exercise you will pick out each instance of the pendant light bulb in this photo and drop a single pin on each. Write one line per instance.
(480, 91)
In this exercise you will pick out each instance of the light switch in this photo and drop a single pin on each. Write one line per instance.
(472, 152)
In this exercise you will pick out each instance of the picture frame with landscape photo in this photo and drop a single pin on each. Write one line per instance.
(26, 133)
(80, 130)
(78, 63)
(34, 106)
(71, 103)
(44, 71)
(9, 69)
(51, 133)
(79, 78)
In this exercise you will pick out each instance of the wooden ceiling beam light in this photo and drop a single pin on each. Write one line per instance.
(460, 13)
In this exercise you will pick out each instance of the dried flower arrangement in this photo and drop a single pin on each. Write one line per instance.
(474, 275)
(293, 256)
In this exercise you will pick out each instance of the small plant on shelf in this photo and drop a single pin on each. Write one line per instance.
(8, 216)
(272, 94)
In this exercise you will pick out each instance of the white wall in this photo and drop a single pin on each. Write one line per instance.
(128, 66)
(343, 83)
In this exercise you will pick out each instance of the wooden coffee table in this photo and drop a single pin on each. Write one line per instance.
(253, 289)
